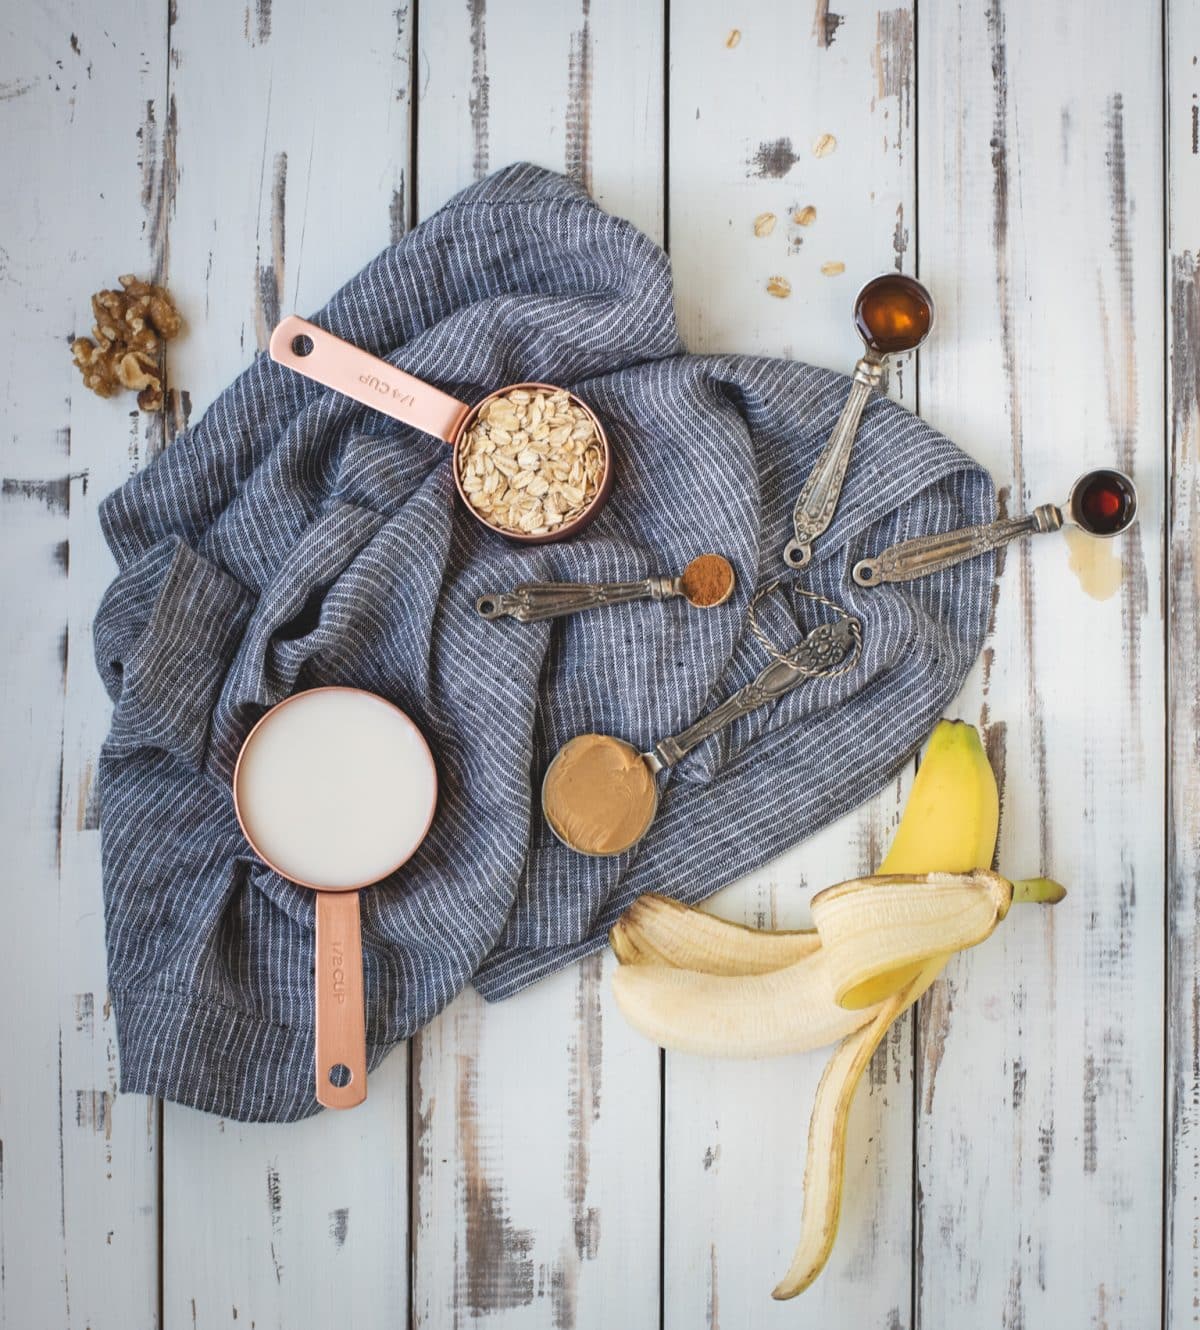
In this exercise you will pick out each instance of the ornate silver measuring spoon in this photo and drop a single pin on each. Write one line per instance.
(706, 582)
(599, 794)
(892, 313)
(1102, 503)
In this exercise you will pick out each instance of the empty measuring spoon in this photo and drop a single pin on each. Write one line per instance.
(892, 313)
(706, 582)
(335, 789)
(599, 794)
(1102, 503)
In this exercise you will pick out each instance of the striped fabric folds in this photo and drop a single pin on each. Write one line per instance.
(294, 538)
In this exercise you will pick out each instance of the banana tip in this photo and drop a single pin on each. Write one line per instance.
(1038, 891)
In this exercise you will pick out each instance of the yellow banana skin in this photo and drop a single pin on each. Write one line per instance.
(698, 984)
(950, 824)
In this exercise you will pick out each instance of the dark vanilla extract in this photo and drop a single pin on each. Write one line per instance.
(1103, 505)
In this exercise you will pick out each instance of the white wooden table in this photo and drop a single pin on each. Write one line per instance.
(1027, 1150)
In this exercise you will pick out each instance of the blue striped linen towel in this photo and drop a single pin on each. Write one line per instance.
(294, 538)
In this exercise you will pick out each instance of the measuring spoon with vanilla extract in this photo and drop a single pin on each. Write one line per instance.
(892, 313)
(1101, 503)
(706, 582)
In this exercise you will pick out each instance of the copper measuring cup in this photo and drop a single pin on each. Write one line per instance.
(347, 369)
(340, 1034)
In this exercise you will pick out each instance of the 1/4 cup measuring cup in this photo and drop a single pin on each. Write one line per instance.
(347, 369)
(335, 789)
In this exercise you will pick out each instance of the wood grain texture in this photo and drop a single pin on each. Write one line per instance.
(1039, 1076)
(78, 1163)
(536, 1122)
(1182, 1165)
(280, 194)
(748, 127)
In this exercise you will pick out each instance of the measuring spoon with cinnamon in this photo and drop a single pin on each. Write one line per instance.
(706, 582)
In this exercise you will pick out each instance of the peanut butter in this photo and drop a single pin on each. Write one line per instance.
(599, 796)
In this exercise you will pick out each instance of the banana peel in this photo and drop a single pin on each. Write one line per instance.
(698, 984)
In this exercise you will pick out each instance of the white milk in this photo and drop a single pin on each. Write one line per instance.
(336, 788)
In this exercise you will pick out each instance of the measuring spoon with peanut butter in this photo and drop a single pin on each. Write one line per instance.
(706, 582)
(599, 794)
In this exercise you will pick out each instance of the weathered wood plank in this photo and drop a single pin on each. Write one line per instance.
(1040, 1076)
(535, 1161)
(79, 105)
(749, 116)
(284, 190)
(536, 1121)
(303, 1225)
(1182, 1170)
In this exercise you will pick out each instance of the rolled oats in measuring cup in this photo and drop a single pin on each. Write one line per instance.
(531, 460)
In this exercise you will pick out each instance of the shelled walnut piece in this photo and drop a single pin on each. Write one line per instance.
(131, 326)
(531, 461)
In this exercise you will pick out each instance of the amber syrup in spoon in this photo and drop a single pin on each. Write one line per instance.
(893, 313)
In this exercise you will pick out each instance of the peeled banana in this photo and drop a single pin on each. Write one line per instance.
(658, 929)
(699, 984)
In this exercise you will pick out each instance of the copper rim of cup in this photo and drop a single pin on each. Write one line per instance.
(279, 706)
(567, 529)
(1125, 482)
(595, 854)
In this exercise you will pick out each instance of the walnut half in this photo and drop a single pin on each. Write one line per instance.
(131, 326)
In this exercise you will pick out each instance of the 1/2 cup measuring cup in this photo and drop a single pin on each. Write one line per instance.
(335, 789)
(347, 369)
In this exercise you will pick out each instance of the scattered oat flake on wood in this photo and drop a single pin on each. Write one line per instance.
(832, 268)
(824, 145)
(779, 287)
(734, 37)
(764, 224)
(805, 216)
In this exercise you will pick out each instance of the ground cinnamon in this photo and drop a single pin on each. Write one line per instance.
(708, 580)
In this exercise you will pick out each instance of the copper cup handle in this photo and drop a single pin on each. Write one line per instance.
(347, 369)
(341, 1036)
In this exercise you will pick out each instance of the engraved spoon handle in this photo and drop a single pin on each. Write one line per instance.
(818, 499)
(824, 647)
(533, 601)
(931, 554)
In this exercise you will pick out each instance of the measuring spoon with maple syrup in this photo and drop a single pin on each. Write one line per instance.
(1102, 503)
(892, 313)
